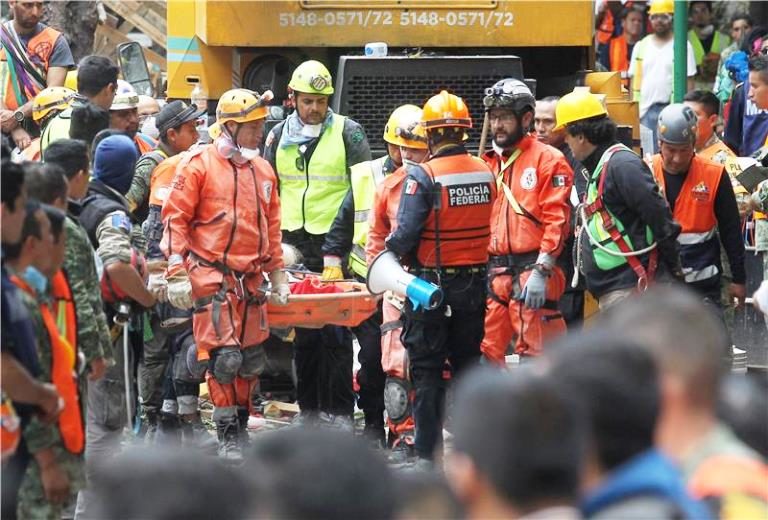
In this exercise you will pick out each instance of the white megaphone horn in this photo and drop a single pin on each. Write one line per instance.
(386, 273)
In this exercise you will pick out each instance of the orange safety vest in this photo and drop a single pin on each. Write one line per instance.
(10, 428)
(144, 143)
(618, 54)
(64, 357)
(462, 223)
(39, 50)
(532, 209)
(695, 212)
(161, 180)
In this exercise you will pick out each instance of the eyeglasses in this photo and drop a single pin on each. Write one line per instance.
(661, 17)
(503, 117)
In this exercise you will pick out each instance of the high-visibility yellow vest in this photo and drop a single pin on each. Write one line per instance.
(365, 176)
(719, 43)
(312, 191)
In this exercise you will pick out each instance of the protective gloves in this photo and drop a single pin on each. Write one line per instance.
(280, 290)
(179, 287)
(535, 290)
(332, 269)
(158, 286)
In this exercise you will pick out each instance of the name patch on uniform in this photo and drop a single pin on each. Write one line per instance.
(410, 186)
(267, 190)
(469, 194)
(121, 222)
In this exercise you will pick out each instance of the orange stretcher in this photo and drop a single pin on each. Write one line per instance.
(349, 308)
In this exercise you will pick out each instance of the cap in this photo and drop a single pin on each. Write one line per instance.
(126, 101)
(175, 114)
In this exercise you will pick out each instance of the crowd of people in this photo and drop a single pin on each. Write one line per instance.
(140, 260)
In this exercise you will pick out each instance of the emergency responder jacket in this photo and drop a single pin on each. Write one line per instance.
(160, 183)
(383, 217)
(531, 211)
(705, 195)
(349, 231)
(633, 199)
(445, 211)
(224, 213)
(100, 201)
(314, 176)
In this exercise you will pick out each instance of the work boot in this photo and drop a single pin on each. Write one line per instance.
(374, 429)
(194, 435)
(242, 419)
(148, 426)
(304, 419)
(228, 433)
(168, 429)
(342, 423)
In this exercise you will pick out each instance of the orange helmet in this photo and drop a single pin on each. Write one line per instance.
(444, 110)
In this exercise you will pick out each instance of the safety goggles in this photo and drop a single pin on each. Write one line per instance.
(663, 17)
(498, 96)
(407, 134)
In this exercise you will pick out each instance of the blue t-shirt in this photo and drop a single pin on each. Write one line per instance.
(16, 328)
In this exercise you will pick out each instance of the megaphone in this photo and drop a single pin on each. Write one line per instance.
(386, 273)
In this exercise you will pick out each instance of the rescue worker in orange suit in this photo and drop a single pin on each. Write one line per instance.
(221, 235)
(382, 219)
(701, 197)
(442, 234)
(312, 152)
(626, 228)
(348, 236)
(529, 226)
(151, 183)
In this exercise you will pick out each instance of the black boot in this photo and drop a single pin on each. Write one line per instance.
(228, 432)
(169, 429)
(195, 435)
(148, 427)
(242, 419)
(374, 428)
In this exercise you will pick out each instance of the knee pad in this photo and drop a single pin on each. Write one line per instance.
(397, 399)
(195, 368)
(254, 362)
(225, 364)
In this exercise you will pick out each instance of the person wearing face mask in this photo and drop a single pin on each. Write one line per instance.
(382, 219)
(221, 235)
(708, 43)
(701, 198)
(312, 152)
(148, 109)
(124, 116)
(55, 473)
(529, 227)
(348, 235)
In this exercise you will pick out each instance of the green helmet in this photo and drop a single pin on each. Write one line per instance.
(677, 125)
(311, 77)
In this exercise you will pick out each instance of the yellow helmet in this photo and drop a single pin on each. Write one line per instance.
(312, 77)
(51, 98)
(662, 7)
(242, 105)
(71, 80)
(578, 105)
(404, 128)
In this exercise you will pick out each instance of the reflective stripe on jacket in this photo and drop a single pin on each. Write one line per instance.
(695, 212)
(313, 191)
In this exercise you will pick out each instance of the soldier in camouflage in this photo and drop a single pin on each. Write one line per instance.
(55, 473)
(113, 231)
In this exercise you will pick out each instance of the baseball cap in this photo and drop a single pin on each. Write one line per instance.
(175, 114)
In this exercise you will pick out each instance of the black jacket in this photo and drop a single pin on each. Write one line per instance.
(631, 194)
(97, 204)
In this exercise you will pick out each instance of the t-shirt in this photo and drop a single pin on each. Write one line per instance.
(18, 333)
(61, 55)
(656, 75)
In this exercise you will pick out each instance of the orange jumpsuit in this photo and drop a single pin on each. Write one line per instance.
(530, 216)
(223, 218)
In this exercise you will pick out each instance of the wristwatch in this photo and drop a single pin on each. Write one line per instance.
(18, 115)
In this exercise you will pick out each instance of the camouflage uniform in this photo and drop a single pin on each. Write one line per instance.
(79, 263)
(38, 436)
(138, 194)
(114, 235)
